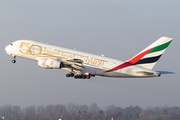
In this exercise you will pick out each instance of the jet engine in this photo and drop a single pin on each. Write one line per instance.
(42, 63)
(53, 63)
(50, 63)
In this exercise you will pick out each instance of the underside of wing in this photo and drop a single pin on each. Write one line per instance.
(75, 60)
(73, 63)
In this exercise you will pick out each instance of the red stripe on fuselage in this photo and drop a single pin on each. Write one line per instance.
(131, 62)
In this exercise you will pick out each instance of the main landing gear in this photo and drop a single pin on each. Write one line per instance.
(81, 77)
(14, 60)
(69, 75)
(78, 76)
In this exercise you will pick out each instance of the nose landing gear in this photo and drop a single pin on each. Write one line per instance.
(14, 60)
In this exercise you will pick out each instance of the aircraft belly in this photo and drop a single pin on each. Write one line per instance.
(102, 72)
(89, 70)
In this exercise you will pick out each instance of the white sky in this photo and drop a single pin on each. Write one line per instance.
(117, 28)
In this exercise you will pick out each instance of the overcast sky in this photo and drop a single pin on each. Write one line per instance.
(116, 28)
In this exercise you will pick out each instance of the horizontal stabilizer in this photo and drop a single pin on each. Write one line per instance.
(144, 72)
(166, 72)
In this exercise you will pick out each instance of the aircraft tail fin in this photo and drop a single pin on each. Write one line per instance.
(150, 55)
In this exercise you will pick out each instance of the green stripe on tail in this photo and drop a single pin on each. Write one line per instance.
(160, 47)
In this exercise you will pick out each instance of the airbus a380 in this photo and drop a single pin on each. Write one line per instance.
(84, 65)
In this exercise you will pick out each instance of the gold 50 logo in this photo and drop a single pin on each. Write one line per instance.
(27, 48)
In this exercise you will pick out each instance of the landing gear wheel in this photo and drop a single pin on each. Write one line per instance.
(67, 75)
(72, 75)
(80, 76)
(76, 77)
(83, 77)
(13, 61)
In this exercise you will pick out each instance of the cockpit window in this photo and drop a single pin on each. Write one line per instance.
(11, 44)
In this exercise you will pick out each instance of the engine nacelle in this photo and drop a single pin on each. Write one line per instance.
(53, 63)
(42, 63)
(50, 63)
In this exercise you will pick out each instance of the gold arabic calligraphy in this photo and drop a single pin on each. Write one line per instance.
(36, 50)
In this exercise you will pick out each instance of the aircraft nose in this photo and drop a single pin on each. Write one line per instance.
(7, 49)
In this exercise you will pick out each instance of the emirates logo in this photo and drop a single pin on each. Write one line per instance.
(43, 64)
(51, 63)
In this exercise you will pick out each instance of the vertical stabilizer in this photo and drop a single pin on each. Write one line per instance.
(150, 55)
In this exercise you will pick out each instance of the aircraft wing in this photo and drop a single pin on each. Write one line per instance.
(73, 63)
(70, 63)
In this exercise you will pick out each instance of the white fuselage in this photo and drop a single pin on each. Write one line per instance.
(94, 64)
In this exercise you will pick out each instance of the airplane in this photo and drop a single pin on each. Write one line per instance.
(81, 65)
